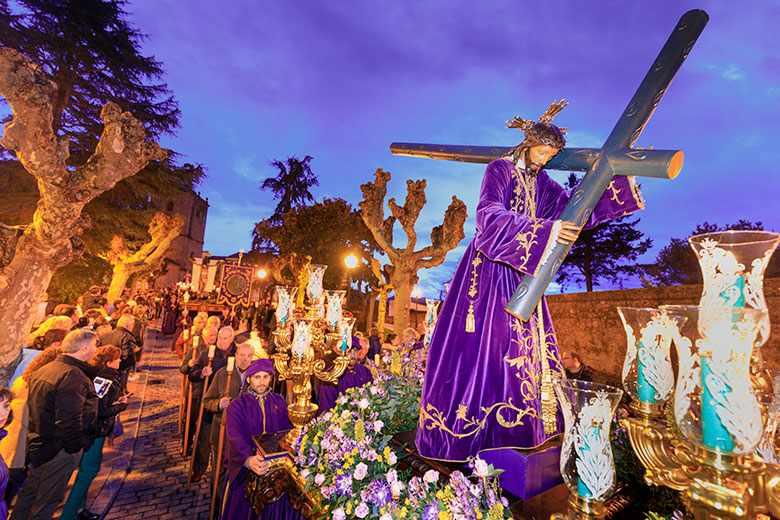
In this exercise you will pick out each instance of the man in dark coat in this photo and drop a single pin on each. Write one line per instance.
(123, 338)
(215, 402)
(198, 374)
(63, 410)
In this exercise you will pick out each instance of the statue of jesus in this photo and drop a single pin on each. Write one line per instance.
(488, 380)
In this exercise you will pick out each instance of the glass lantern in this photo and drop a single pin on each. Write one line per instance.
(587, 465)
(285, 304)
(431, 315)
(733, 264)
(647, 369)
(314, 287)
(715, 404)
(334, 308)
(345, 333)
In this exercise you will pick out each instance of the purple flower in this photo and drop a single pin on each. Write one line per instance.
(431, 512)
(344, 484)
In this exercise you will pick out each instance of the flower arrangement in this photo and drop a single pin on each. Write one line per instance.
(345, 457)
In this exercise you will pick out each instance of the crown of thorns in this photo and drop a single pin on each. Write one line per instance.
(542, 132)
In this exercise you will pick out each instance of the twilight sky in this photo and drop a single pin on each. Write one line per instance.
(261, 80)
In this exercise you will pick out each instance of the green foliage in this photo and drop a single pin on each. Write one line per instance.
(631, 476)
(326, 231)
(74, 279)
(607, 252)
(676, 263)
(93, 54)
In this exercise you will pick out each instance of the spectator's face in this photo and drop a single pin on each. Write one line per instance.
(5, 409)
(209, 336)
(244, 356)
(114, 364)
(260, 382)
(225, 338)
(570, 363)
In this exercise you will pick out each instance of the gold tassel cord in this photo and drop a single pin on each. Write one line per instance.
(549, 406)
(471, 325)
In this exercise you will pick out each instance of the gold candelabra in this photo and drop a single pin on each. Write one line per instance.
(299, 367)
(714, 485)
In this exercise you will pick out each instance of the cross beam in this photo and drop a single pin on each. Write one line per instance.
(615, 157)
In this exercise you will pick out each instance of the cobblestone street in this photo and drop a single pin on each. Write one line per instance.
(144, 475)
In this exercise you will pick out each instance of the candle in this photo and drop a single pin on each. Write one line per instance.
(186, 334)
(231, 361)
(714, 434)
(644, 389)
(212, 350)
(196, 341)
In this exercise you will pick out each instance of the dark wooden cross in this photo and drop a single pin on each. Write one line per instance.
(615, 157)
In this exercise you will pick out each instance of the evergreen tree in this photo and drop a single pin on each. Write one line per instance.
(607, 252)
(93, 54)
(676, 263)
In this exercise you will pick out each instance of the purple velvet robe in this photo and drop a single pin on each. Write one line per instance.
(249, 416)
(353, 377)
(482, 388)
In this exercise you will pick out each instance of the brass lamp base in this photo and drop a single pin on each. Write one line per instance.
(299, 417)
(581, 508)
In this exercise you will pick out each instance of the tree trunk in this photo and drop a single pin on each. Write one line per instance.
(370, 312)
(382, 311)
(587, 269)
(27, 278)
(402, 282)
(119, 280)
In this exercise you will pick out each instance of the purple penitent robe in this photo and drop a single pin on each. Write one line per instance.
(483, 377)
(248, 416)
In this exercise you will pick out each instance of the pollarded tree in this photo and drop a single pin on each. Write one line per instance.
(163, 230)
(30, 254)
(405, 261)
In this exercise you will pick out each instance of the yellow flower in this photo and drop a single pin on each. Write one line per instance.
(444, 515)
(403, 512)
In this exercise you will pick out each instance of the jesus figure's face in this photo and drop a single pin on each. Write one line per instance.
(539, 156)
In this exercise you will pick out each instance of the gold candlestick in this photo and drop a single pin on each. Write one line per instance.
(299, 369)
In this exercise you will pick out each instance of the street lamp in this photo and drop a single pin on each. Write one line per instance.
(351, 261)
(262, 274)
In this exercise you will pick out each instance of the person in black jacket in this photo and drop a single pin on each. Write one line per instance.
(63, 410)
(199, 372)
(122, 337)
(111, 403)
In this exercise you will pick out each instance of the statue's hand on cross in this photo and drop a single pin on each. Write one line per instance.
(568, 232)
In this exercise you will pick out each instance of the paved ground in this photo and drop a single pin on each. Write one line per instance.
(144, 475)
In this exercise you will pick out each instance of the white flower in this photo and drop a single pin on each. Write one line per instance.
(386, 516)
(395, 489)
(391, 458)
(374, 389)
(338, 514)
(341, 399)
(361, 511)
(319, 479)
(431, 476)
(481, 468)
(361, 470)
(392, 476)
(325, 444)
(363, 404)
(305, 473)
(378, 425)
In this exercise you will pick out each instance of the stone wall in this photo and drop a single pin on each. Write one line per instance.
(588, 323)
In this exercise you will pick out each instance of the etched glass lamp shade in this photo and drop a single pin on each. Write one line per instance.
(647, 369)
(587, 465)
(733, 264)
(285, 304)
(314, 288)
(715, 404)
(334, 308)
(431, 315)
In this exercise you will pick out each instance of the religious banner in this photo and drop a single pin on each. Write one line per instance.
(235, 285)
